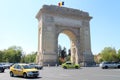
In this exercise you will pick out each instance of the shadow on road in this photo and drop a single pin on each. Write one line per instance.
(27, 78)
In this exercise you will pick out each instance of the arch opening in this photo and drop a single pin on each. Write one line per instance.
(67, 46)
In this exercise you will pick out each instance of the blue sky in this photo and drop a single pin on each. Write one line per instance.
(18, 25)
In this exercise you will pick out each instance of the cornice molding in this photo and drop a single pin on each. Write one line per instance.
(63, 12)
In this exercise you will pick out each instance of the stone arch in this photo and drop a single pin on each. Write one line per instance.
(53, 20)
(73, 46)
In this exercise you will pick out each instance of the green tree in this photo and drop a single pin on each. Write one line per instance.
(59, 51)
(63, 53)
(109, 54)
(29, 58)
(12, 54)
(118, 54)
(22, 58)
(1, 56)
(69, 52)
(16, 48)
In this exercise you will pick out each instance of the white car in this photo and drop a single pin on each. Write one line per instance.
(106, 65)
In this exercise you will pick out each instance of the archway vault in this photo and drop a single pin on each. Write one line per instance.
(68, 32)
(54, 20)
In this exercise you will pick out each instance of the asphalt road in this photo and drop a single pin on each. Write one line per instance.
(58, 73)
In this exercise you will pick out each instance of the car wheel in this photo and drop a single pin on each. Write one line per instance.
(76, 67)
(36, 76)
(119, 66)
(11, 74)
(106, 67)
(65, 67)
(24, 75)
(103, 67)
(2, 70)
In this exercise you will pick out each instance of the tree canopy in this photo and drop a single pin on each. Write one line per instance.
(14, 54)
(108, 54)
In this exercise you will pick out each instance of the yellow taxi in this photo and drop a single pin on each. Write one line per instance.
(24, 70)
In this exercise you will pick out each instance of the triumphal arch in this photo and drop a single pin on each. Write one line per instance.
(53, 20)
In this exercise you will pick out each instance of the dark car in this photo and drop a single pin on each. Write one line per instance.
(2, 69)
(6, 65)
(36, 66)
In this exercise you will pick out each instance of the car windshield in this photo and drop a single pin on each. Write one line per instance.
(27, 66)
